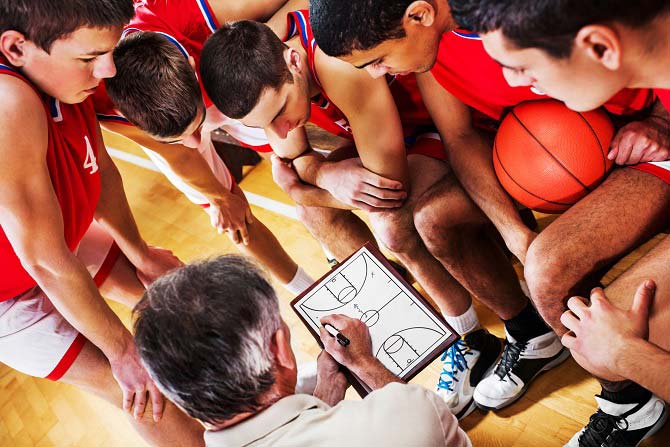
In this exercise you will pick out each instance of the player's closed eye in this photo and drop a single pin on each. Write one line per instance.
(87, 60)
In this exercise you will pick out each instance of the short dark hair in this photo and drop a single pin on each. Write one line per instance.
(155, 86)
(550, 25)
(373, 22)
(45, 21)
(204, 332)
(239, 61)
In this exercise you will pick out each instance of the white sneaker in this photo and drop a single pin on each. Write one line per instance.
(621, 425)
(465, 363)
(519, 364)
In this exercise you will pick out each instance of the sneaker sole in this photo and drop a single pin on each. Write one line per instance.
(656, 427)
(466, 411)
(560, 359)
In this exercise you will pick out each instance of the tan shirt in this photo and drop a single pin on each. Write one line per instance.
(396, 415)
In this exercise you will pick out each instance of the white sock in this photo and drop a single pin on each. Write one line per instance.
(300, 282)
(465, 323)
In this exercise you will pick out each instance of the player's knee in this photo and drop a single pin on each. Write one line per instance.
(395, 231)
(543, 271)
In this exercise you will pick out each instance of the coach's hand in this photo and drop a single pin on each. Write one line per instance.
(231, 214)
(155, 263)
(352, 184)
(641, 141)
(135, 383)
(359, 349)
(603, 324)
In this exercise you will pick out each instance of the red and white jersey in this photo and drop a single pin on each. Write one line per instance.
(71, 158)
(465, 69)
(328, 116)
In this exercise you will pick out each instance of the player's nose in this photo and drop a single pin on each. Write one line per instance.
(104, 67)
(515, 79)
(377, 71)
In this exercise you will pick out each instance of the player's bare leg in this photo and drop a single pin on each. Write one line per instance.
(397, 232)
(636, 410)
(630, 207)
(91, 372)
(458, 233)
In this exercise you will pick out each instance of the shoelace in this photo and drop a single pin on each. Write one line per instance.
(454, 362)
(509, 359)
(602, 429)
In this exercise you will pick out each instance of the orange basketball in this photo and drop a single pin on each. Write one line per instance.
(548, 157)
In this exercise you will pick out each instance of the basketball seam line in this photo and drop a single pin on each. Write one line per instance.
(549, 153)
(495, 149)
(595, 135)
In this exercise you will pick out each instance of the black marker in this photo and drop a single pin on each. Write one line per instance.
(341, 339)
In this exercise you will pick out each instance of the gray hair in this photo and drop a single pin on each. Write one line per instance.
(204, 331)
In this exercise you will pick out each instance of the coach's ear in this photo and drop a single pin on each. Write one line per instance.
(600, 43)
(419, 13)
(13, 46)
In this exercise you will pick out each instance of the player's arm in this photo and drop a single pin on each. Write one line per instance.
(278, 22)
(227, 211)
(31, 218)
(470, 157)
(113, 212)
(259, 10)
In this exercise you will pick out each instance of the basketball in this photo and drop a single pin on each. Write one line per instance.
(548, 157)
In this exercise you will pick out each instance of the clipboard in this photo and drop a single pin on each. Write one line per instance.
(407, 333)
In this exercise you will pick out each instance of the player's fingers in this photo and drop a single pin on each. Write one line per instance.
(640, 150)
(379, 203)
(625, 148)
(249, 216)
(157, 401)
(569, 340)
(644, 295)
(128, 397)
(234, 236)
(244, 234)
(570, 321)
(381, 182)
(383, 193)
(578, 306)
(140, 402)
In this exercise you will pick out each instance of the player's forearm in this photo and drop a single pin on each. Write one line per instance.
(471, 161)
(307, 195)
(113, 212)
(374, 374)
(654, 376)
(70, 288)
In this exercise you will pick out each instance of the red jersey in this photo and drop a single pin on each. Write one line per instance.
(465, 69)
(185, 23)
(329, 117)
(71, 159)
(664, 97)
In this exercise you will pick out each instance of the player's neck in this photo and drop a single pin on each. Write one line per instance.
(650, 65)
(444, 22)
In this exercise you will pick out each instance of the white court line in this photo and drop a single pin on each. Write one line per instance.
(254, 199)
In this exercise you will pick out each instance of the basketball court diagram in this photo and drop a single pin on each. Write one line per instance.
(403, 331)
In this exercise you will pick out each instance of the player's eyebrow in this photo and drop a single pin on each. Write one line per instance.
(96, 52)
(374, 61)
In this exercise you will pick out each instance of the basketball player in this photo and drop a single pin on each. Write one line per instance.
(157, 90)
(422, 36)
(581, 59)
(56, 179)
(306, 84)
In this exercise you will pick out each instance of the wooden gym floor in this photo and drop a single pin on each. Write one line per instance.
(36, 412)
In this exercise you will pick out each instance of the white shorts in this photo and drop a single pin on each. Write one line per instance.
(34, 337)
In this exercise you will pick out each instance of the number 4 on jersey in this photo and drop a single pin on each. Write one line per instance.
(91, 161)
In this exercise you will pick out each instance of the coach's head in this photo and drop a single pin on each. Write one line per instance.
(211, 337)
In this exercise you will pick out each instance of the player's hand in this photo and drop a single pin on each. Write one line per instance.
(352, 184)
(603, 324)
(135, 383)
(359, 349)
(155, 263)
(231, 214)
(331, 384)
(641, 141)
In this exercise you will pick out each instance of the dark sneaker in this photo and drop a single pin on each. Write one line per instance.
(621, 425)
(465, 363)
(519, 364)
